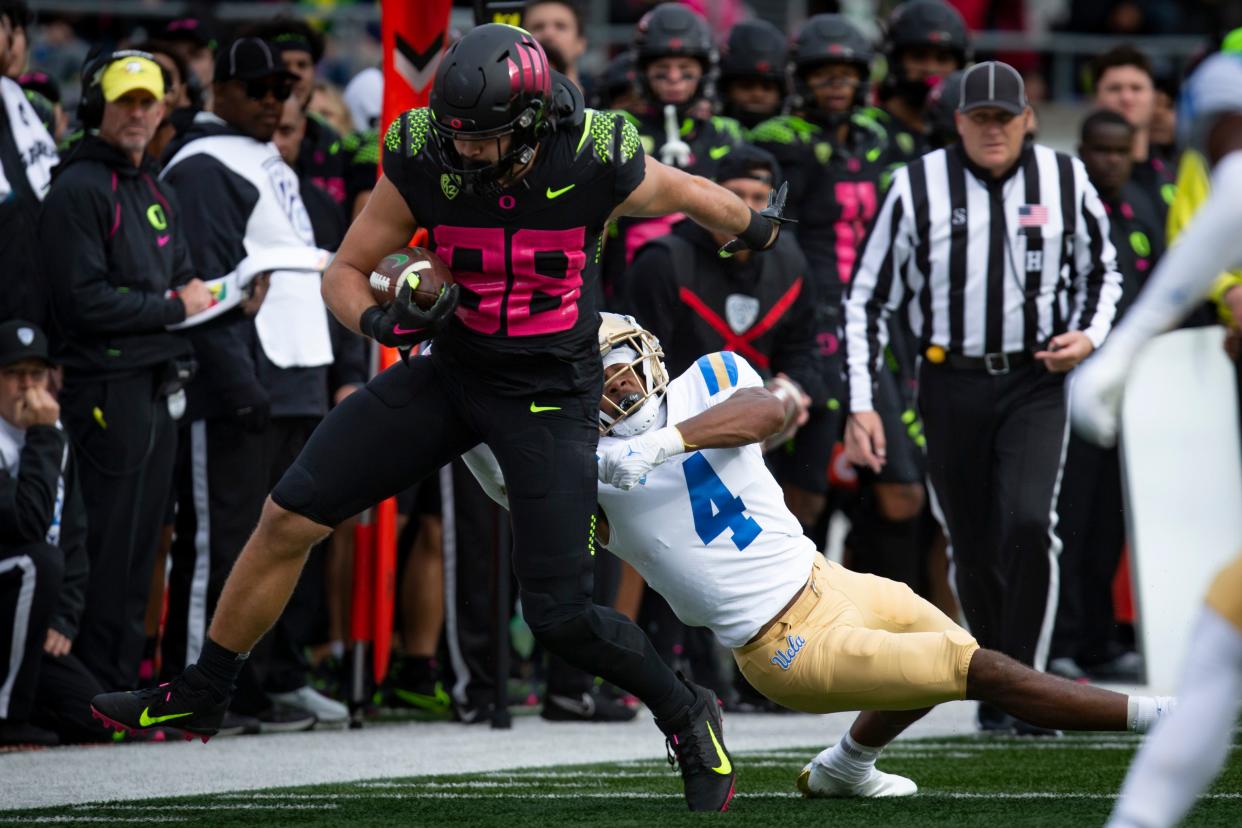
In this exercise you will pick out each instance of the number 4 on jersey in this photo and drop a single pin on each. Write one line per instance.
(716, 508)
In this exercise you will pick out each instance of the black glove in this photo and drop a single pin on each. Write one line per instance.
(402, 324)
(758, 235)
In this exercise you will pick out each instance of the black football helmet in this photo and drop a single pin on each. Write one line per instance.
(941, 104)
(926, 23)
(829, 38)
(755, 50)
(673, 30)
(493, 82)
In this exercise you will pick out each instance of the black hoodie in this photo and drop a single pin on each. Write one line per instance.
(112, 242)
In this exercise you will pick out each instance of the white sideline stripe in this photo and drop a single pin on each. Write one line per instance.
(240, 806)
(439, 794)
(111, 820)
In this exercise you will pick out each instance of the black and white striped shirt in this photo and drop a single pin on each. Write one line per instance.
(988, 265)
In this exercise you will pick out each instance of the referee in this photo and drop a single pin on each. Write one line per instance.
(1001, 248)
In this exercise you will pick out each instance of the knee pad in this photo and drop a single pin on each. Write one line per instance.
(574, 630)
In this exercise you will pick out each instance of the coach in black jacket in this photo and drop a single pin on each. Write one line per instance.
(114, 249)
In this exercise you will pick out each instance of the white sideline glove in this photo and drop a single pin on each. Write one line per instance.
(625, 464)
(1095, 394)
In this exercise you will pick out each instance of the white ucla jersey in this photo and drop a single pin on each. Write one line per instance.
(708, 529)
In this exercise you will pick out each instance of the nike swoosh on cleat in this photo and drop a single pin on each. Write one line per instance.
(725, 767)
(536, 409)
(717, 153)
(146, 720)
(557, 193)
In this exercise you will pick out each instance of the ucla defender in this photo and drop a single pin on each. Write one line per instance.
(687, 500)
(515, 181)
(1185, 753)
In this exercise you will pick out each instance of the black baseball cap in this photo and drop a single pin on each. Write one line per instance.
(249, 58)
(20, 341)
(992, 83)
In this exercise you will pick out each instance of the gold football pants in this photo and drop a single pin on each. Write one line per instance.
(858, 642)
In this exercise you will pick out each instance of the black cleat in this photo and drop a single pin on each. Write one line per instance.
(188, 703)
(591, 706)
(698, 747)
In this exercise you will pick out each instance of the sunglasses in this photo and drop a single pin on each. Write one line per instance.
(259, 88)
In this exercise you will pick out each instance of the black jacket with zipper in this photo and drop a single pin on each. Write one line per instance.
(112, 242)
(28, 511)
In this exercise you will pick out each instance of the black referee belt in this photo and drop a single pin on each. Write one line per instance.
(995, 364)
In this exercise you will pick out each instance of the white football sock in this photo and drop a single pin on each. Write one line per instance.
(1144, 711)
(1187, 749)
(849, 760)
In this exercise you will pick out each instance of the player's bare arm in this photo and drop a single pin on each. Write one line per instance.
(751, 415)
(384, 225)
(667, 190)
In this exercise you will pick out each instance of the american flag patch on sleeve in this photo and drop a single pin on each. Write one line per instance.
(1032, 215)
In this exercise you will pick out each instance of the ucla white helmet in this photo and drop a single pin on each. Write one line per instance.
(622, 341)
(1214, 89)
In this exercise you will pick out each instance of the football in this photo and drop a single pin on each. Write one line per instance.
(426, 273)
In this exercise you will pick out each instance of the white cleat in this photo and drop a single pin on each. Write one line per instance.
(818, 782)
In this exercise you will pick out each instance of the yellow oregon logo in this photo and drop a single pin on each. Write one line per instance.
(155, 215)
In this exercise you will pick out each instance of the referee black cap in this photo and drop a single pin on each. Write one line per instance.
(992, 83)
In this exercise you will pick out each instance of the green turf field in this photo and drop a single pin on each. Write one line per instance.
(966, 782)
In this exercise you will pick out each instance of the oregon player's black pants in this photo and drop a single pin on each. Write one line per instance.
(995, 448)
(412, 419)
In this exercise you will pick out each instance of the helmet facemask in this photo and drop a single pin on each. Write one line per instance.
(624, 343)
(489, 178)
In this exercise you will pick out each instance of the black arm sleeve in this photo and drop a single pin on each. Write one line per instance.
(73, 232)
(651, 292)
(28, 501)
(72, 598)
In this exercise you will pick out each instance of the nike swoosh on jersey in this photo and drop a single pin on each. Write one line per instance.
(557, 193)
(725, 767)
(146, 720)
(536, 409)
(163, 240)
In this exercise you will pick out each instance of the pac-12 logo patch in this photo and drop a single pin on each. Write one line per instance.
(741, 311)
(784, 658)
(448, 185)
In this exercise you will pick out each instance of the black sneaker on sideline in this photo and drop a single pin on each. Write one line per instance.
(238, 724)
(24, 734)
(281, 718)
(1021, 728)
(994, 720)
(698, 747)
(188, 703)
(588, 707)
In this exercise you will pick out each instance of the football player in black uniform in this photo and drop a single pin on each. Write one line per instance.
(514, 180)
(752, 72)
(836, 159)
(924, 41)
(676, 62)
